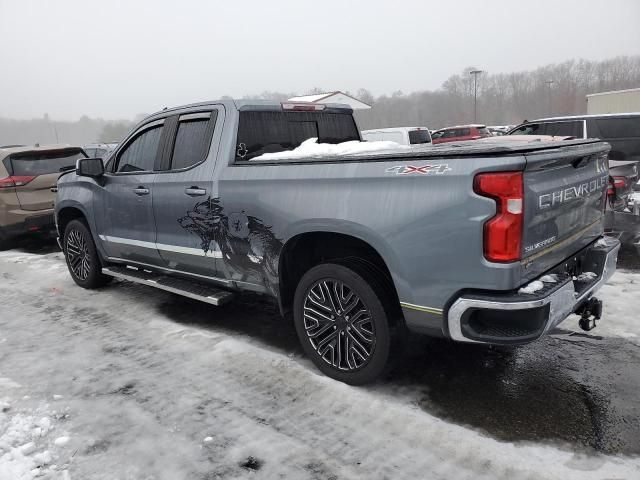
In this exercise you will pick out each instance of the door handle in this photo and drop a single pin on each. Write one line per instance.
(195, 191)
(141, 191)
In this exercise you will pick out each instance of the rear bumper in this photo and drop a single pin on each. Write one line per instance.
(517, 318)
(35, 223)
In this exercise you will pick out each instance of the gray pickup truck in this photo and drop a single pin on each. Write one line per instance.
(485, 243)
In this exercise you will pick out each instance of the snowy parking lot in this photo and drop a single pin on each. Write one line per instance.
(128, 382)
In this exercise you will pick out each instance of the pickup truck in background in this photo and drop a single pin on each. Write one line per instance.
(483, 243)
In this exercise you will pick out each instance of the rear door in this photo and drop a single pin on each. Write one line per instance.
(39, 171)
(185, 197)
(128, 227)
(565, 194)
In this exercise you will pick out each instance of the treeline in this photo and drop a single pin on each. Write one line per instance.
(502, 99)
(46, 131)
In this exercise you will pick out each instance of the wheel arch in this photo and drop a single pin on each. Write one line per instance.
(320, 243)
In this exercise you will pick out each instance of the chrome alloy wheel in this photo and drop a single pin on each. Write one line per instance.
(339, 325)
(78, 254)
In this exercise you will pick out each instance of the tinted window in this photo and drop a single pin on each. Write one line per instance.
(140, 155)
(33, 164)
(619, 127)
(565, 129)
(419, 136)
(192, 142)
(463, 132)
(435, 135)
(266, 132)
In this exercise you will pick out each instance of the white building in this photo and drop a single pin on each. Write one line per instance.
(619, 101)
(333, 97)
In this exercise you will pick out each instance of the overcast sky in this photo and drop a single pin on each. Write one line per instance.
(115, 59)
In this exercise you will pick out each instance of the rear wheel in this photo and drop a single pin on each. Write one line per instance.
(343, 317)
(82, 257)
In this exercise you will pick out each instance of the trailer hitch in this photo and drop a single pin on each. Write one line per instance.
(589, 312)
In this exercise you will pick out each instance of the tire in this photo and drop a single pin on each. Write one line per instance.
(82, 257)
(324, 296)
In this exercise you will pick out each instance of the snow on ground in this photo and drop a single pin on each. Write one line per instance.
(103, 385)
(311, 148)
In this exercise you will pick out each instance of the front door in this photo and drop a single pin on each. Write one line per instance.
(185, 199)
(129, 231)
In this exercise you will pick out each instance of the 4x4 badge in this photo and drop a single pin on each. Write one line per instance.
(437, 169)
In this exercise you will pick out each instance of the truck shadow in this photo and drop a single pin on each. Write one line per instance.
(558, 389)
(36, 243)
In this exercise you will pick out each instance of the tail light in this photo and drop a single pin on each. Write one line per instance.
(15, 181)
(614, 184)
(503, 232)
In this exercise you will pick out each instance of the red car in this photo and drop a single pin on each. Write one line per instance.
(459, 133)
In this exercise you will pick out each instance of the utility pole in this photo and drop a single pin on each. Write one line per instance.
(549, 82)
(475, 74)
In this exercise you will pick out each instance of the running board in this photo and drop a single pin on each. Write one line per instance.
(187, 288)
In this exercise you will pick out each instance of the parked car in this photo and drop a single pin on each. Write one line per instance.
(622, 132)
(499, 130)
(460, 133)
(98, 150)
(488, 244)
(26, 177)
(401, 135)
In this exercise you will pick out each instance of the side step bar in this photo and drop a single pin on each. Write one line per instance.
(186, 288)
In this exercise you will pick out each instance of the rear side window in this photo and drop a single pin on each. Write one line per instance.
(34, 163)
(619, 127)
(193, 139)
(267, 132)
(565, 129)
(419, 136)
(140, 155)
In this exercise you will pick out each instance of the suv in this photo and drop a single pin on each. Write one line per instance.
(622, 132)
(26, 177)
(460, 133)
(482, 243)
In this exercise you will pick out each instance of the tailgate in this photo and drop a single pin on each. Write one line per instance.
(565, 195)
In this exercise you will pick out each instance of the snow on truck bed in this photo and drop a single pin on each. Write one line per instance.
(311, 149)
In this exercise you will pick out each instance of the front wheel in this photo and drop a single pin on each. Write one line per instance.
(82, 257)
(341, 314)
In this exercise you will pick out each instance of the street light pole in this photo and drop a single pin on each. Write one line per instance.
(549, 82)
(475, 74)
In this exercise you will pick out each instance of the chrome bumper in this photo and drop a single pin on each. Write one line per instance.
(562, 302)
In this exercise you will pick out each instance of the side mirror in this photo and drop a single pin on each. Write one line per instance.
(90, 167)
